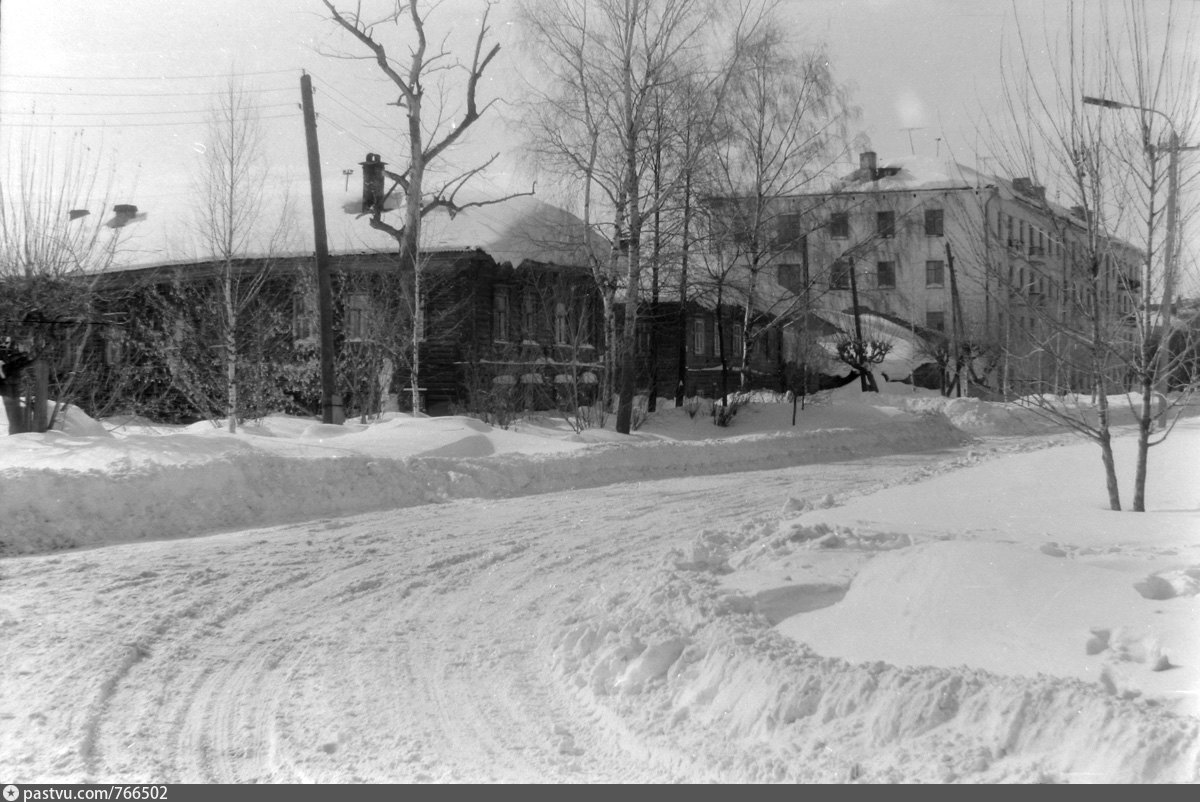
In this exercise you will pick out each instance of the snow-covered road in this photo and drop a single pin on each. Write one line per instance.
(400, 646)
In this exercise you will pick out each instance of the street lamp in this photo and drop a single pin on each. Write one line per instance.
(1171, 256)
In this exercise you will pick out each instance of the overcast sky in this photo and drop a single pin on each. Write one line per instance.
(134, 78)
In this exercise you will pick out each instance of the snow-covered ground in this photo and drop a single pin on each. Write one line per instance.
(897, 588)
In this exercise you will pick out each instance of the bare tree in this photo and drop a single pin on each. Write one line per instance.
(428, 130)
(54, 244)
(784, 126)
(1112, 165)
(231, 225)
(607, 62)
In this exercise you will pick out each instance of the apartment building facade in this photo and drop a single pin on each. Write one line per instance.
(959, 256)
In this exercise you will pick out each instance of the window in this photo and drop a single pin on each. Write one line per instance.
(1037, 243)
(935, 321)
(562, 324)
(839, 275)
(787, 229)
(529, 314)
(586, 322)
(839, 225)
(885, 224)
(716, 345)
(698, 336)
(934, 225)
(500, 314)
(642, 331)
(114, 344)
(304, 315)
(358, 308)
(885, 275)
(935, 273)
(735, 340)
(793, 276)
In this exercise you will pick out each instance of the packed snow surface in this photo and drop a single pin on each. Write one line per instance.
(895, 588)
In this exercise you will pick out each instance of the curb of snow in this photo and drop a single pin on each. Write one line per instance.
(46, 510)
(681, 658)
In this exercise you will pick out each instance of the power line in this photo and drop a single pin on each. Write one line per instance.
(356, 109)
(133, 113)
(135, 125)
(150, 77)
(143, 94)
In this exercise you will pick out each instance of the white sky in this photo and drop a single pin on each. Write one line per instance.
(132, 76)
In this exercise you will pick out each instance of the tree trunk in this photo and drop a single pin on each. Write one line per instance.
(1105, 440)
(1145, 424)
(231, 387)
(417, 325)
(681, 378)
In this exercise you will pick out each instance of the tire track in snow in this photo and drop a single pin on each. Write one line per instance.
(401, 646)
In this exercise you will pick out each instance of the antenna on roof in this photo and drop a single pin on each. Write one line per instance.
(911, 148)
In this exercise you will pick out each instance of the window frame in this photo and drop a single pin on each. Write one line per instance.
(840, 269)
(356, 313)
(880, 271)
(562, 323)
(941, 272)
(839, 225)
(935, 222)
(529, 314)
(885, 224)
(501, 312)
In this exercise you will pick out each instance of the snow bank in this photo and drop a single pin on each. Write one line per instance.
(194, 483)
(686, 657)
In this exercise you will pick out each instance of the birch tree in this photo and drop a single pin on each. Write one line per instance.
(1100, 116)
(783, 128)
(232, 223)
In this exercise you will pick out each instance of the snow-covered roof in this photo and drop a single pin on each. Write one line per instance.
(916, 173)
(515, 230)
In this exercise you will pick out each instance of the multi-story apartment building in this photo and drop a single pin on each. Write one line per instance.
(948, 249)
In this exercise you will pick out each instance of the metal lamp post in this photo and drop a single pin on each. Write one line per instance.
(1172, 244)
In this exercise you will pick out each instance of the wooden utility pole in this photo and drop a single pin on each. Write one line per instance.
(329, 400)
(956, 328)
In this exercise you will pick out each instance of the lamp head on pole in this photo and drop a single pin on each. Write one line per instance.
(1099, 101)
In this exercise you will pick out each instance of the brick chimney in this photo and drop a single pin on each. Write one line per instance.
(866, 163)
